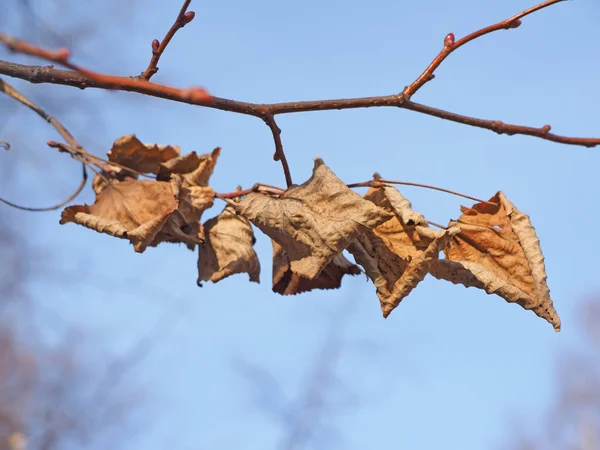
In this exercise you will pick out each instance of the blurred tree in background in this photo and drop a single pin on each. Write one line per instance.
(49, 371)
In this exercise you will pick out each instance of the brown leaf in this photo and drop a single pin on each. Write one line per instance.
(228, 248)
(396, 254)
(146, 212)
(497, 250)
(196, 170)
(162, 160)
(114, 175)
(128, 151)
(313, 222)
(286, 282)
(389, 198)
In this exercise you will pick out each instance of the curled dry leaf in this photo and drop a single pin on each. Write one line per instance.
(228, 248)
(196, 170)
(146, 212)
(395, 255)
(160, 160)
(313, 222)
(129, 151)
(286, 282)
(497, 250)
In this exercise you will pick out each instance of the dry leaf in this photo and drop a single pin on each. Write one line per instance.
(393, 277)
(128, 151)
(196, 170)
(389, 198)
(497, 250)
(313, 222)
(228, 248)
(161, 160)
(146, 212)
(396, 254)
(106, 177)
(286, 282)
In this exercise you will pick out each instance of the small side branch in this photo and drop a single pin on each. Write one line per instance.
(379, 182)
(65, 202)
(279, 155)
(194, 95)
(73, 147)
(158, 47)
(450, 45)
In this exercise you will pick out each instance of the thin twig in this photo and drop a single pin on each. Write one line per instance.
(53, 207)
(12, 92)
(258, 187)
(194, 95)
(378, 182)
(437, 225)
(73, 147)
(158, 48)
(279, 154)
(450, 45)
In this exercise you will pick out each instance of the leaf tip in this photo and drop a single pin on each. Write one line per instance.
(318, 163)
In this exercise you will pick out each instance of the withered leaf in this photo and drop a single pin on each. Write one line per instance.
(389, 198)
(497, 250)
(129, 151)
(313, 222)
(286, 282)
(146, 212)
(112, 174)
(396, 254)
(228, 248)
(196, 170)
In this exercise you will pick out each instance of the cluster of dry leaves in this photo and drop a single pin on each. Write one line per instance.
(492, 245)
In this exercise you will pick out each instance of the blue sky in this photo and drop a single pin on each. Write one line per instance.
(451, 367)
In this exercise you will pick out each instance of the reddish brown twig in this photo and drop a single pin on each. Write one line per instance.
(450, 45)
(194, 95)
(279, 155)
(378, 182)
(258, 187)
(158, 47)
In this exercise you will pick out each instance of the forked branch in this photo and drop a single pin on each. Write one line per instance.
(84, 78)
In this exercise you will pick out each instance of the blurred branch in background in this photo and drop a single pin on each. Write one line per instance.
(573, 420)
(306, 420)
(49, 387)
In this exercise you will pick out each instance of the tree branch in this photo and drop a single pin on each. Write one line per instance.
(158, 48)
(450, 46)
(48, 74)
(83, 78)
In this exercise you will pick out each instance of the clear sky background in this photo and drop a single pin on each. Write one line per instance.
(451, 368)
